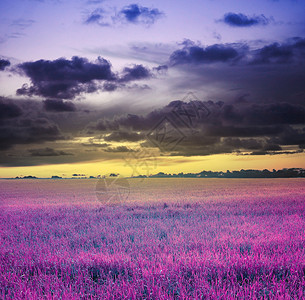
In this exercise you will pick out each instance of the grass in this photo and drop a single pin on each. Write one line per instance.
(174, 239)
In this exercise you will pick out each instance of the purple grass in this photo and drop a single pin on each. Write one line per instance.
(174, 239)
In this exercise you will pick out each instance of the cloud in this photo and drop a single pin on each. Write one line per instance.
(161, 69)
(28, 131)
(66, 79)
(275, 113)
(290, 51)
(231, 127)
(58, 105)
(133, 13)
(246, 143)
(241, 20)
(275, 153)
(136, 72)
(276, 53)
(290, 136)
(242, 131)
(98, 16)
(272, 73)
(8, 109)
(93, 144)
(119, 149)
(4, 63)
(16, 29)
(194, 54)
(22, 123)
(62, 78)
(136, 14)
(94, 2)
(22, 23)
(47, 152)
(93, 18)
(281, 113)
(121, 136)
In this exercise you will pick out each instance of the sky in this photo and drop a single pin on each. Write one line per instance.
(94, 87)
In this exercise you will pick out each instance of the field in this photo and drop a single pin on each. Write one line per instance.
(171, 239)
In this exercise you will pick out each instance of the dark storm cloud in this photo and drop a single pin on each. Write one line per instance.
(4, 63)
(226, 128)
(47, 152)
(131, 122)
(241, 20)
(290, 136)
(110, 86)
(288, 52)
(267, 114)
(226, 119)
(264, 114)
(22, 122)
(62, 78)
(135, 13)
(8, 109)
(248, 143)
(195, 54)
(272, 73)
(136, 72)
(28, 131)
(242, 131)
(276, 113)
(58, 105)
(291, 51)
(66, 79)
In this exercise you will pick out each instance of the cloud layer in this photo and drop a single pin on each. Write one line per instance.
(67, 79)
(210, 128)
(268, 117)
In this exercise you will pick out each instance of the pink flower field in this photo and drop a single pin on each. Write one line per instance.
(171, 239)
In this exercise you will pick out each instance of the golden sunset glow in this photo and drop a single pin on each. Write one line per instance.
(159, 164)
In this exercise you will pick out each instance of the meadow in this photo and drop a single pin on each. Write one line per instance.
(171, 239)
